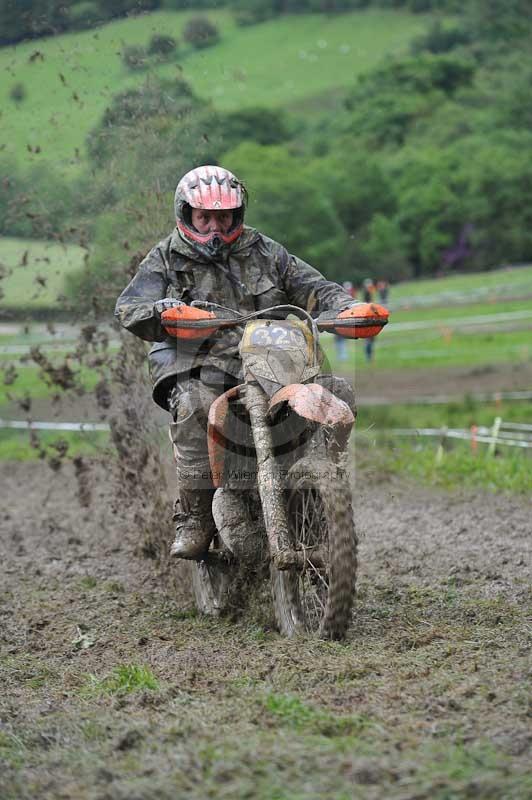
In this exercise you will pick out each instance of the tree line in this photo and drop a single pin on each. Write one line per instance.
(31, 19)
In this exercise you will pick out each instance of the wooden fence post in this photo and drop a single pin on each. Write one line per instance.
(440, 451)
(494, 436)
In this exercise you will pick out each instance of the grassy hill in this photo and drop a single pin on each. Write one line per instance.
(69, 79)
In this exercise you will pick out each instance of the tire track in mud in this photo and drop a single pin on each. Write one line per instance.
(66, 525)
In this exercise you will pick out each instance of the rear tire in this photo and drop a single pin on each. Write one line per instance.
(318, 599)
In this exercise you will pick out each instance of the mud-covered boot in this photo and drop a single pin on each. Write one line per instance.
(193, 523)
(241, 532)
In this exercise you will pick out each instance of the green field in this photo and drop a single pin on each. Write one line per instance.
(301, 57)
(492, 286)
(16, 445)
(447, 350)
(34, 272)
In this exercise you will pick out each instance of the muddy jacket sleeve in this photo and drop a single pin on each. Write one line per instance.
(134, 307)
(307, 288)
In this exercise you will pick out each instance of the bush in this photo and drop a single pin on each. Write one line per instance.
(201, 32)
(154, 100)
(263, 125)
(162, 45)
(134, 57)
(251, 12)
(441, 39)
(86, 15)
(18, 92)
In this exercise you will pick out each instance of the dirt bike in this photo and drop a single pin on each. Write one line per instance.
(278, 457)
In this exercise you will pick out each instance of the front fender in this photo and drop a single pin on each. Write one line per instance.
(317, 404)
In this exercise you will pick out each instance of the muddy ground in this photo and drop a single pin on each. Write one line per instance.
(429, 697)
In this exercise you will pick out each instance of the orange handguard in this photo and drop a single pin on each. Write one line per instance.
(367, 311)
(189, 313)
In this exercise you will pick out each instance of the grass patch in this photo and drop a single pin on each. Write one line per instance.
(36, 272)
(453, 415)
(88, 582)
(19, 445)
(12, 750)
(29, 381)
(456, 315)
(507, 280)
(458, 468)
(434, 349)
(508, 470)
(289, 711)
(125, 678)
(462, 771)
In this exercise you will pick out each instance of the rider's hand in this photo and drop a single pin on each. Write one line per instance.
(334, 313)
(165, 304)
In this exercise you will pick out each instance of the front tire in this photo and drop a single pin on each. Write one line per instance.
(318, 599)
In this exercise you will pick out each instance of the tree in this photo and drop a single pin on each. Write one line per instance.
(200, 32)
(162, 45)
(27, 19)
(286, 204)
(263, 125)
(129, 110)
(386, 103)
(134, 57)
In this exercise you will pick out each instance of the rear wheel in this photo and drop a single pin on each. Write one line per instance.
(317, 597)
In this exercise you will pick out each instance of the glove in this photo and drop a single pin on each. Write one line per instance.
(334, 313)
(165, 304)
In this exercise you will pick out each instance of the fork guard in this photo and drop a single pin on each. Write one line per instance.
(317, 404)
(216, 441)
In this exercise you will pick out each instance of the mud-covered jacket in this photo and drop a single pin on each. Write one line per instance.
(254, 273)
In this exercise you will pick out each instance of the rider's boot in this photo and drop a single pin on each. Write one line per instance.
(194, 523)
(239, 532)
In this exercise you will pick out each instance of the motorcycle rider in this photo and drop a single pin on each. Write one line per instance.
(211, 255)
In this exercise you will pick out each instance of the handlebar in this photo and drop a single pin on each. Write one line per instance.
(322, 325)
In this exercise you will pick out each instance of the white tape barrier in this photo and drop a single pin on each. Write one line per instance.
(443, 399)
(83, 427)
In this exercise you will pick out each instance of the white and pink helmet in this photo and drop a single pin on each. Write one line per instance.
(212, 188)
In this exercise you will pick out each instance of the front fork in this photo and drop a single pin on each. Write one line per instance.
(269, 481)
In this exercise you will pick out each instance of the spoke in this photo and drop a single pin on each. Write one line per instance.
(318, 573)
(309, 526)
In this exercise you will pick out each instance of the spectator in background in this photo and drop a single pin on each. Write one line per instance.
(341, 343)
(368, 296)
(383, 288)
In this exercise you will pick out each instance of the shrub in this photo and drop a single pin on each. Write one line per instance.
(251, 13)
(18, 92)
(201, 32)
(86, 15)
(441, 39)
(134, 57)
(162, 45)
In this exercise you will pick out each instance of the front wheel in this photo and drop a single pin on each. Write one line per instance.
(317, 597)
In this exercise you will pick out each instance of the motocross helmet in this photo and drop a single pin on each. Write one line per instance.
(211, 188)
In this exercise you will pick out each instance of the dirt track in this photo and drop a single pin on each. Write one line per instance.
(435, 671)
(402, 386)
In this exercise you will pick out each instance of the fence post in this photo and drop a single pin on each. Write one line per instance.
(474, 431)
(494, 435)
(440, 451)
